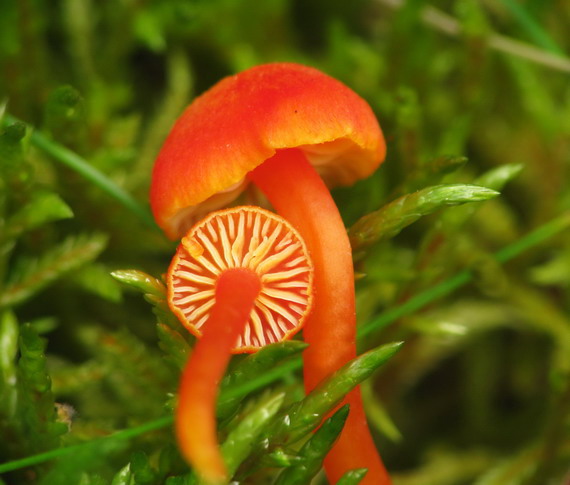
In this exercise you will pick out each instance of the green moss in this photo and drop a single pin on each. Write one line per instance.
(469, 95)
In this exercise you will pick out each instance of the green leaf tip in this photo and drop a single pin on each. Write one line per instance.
(498, 177)
(313, 452)
(42, 208)
(371, 360)
(240, 441)
(307, 414)
(124, 476)
(353, 477)
(392, 218)
(140, 281)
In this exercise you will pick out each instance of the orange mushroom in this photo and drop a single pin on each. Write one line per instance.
(287, 128)
(241, 278)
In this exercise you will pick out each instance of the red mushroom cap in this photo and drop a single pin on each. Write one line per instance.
(243, 120)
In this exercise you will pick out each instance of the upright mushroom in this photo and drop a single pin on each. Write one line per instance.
(287, 128)
(240, 279)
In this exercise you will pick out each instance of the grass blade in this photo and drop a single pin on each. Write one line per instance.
(90, 173)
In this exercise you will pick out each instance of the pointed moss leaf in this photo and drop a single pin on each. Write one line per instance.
(494, 179)
(148, 29)
(314, 451)
(392, 218)
(141, 281)
(9, 333)
(123, 477)
(307, 414)
(96, 279)
(498, 177)
(251, 367)
(33, 275)
(553, 272)
(45, 325)
(352, 477)
(281, 458)
(240, 441)
(44, 207)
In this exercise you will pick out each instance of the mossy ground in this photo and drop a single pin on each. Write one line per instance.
(468, 93)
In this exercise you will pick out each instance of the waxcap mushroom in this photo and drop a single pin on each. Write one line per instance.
(251, 238)
(242, 121)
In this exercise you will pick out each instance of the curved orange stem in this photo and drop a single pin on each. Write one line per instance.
(298, 193)
(236, 291)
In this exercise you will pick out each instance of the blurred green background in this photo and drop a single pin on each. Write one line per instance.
(466, 91)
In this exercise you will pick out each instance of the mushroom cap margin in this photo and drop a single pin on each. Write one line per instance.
(243, 120)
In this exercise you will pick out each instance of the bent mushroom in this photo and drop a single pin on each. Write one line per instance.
(289, 129)
(240, 279)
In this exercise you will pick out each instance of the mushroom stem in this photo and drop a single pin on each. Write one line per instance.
(299, 194)
(236, 290)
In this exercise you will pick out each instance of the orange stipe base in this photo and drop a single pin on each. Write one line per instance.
(243, 237)
(235, 293)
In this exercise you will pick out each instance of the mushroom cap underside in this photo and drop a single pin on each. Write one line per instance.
(243, 120)
(243, 237)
